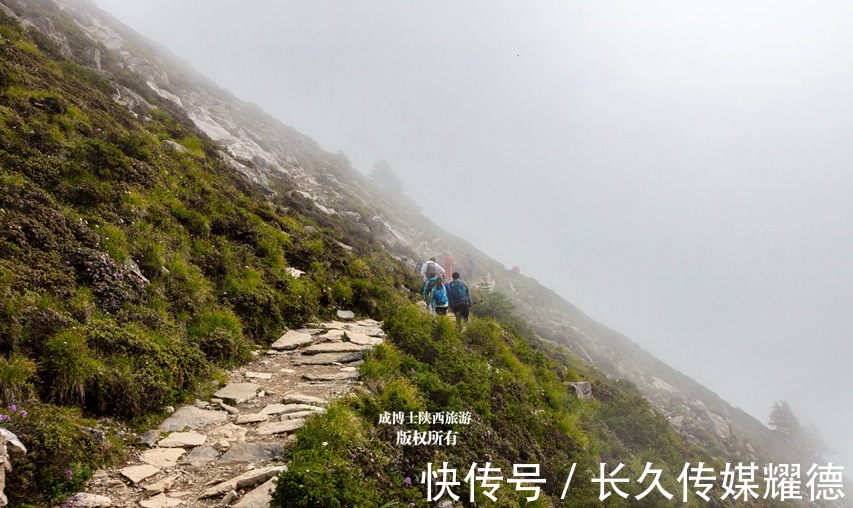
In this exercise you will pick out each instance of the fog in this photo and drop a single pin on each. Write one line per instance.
(681, 172)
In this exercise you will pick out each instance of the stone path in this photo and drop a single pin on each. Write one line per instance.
(225, 451)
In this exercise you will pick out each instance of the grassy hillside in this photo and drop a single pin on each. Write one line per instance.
(134, 265)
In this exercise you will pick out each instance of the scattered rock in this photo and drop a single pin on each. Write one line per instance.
(275, 409)
(292, 340)
(299, 398)
(258, 375)
(261, 497)
(247, 479)
(293, 272)
(191, 417)
(328, 358)
(272, 428)
(160, 501)
(182, 440)
(228, 431)
(138, 473)
(200, 456)
(149, 437)
(201, 404)
(252, 418)
(362, 339)
(229, 409)
(346, 315)
(86, 500)
(332, 376)
(161, 486)
(162, 457)
(582, 390)
(98, 436)
(253, 452)
(231, 496)
(237, 393)
(333, 347)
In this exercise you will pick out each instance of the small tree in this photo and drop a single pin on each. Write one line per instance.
(784, 422)
(387, 181)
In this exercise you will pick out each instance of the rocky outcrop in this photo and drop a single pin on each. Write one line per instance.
(10, 448)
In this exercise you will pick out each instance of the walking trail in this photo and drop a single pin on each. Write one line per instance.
(226, 451)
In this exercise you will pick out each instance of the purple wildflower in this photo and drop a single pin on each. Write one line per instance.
(408, 481)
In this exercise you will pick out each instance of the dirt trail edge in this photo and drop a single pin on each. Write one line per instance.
(225, 451)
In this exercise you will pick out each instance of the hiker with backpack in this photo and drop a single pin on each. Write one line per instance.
(437, 298)
(432, 269)
(459, 297)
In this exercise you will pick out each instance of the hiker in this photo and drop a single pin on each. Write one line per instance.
(447, 262)
(459, 297)
(437, 298)
(431, 269)
(428, 285)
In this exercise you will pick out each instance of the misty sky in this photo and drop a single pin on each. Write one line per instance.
(683, 173)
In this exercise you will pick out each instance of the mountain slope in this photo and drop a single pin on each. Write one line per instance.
(135, 262)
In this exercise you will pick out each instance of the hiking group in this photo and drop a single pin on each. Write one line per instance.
(440, 295)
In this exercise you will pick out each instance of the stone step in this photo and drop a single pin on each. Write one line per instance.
(332, 376)
(292, 340)
(333, 347)
(248, 479)
(328, 358)
(237, 393)
(191, 417)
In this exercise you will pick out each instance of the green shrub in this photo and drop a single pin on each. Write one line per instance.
(16, 373)
(219, 334)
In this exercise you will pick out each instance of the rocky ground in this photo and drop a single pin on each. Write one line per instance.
(226, 451)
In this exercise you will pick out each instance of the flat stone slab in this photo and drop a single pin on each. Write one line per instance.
(253, 452)
(252, 418)
(162, 457)
(138, 473)
(160, 501)
(86, 500)
(332, 376)
(363, 339)
(299, 398)
(161, 486)
(191, 417)
(300, 414)
(328, 358)
(292, 340)
(261, 497)
(258, 375)
(346, 315)
(200, 456)
(182, 440)
(229, 431)
(334, 347)
(331, 335)
(237, 393)
(275, 409)
(272, 428)
(248, 479)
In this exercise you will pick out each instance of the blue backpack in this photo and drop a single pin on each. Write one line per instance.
(439, 296)
(458, 292)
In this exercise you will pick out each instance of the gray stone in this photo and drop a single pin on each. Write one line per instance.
(87, 500)
(13, 446)
(292, 340)
(138, 473)
(331, 336)
(182, 440)
(261, 497)
(333, 347)
(200, 456)
(237, 393)
(191, 417)
(258, 375)
(228, 409)
(362, 339)
(346, 315)
(328, 358)
(247, 479)
(252, 418)
(272, 428)
(231, 496)
(299, 414)
(162, 457)
(332, 376)
(161, 486)
(253, 452)
(299, 398)
(160, 501)
(293, 272)
(582, 390)
(149, 437)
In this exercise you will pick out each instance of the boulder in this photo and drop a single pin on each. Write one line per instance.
(582, 390)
